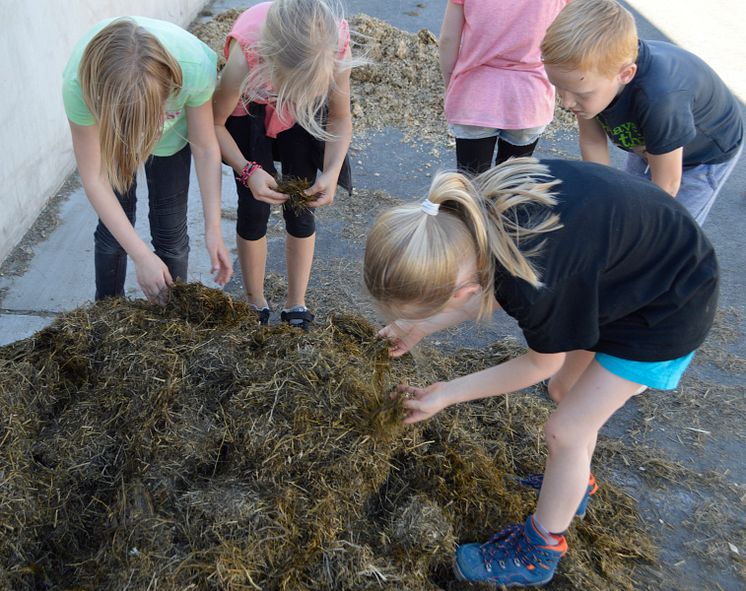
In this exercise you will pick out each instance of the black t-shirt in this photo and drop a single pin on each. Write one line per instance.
(630, 273)
(675, 100)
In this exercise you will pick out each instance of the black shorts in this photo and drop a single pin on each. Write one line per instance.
(294, 149)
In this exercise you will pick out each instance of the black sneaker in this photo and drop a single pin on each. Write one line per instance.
(263, 314)
(297, 316)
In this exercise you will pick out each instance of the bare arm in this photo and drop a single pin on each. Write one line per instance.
(450, 39)
(666, 170)
(152, 273)
(224, 101)
(518, 373)
(339, 125)
(594, 146)
(405, 334)
(206, 153)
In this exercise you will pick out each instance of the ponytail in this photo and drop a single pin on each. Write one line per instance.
(415, 258)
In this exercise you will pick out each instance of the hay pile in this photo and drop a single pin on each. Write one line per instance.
(214, 31)
(401, 86)
(187, 448)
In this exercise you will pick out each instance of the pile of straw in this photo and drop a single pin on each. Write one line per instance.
(188, 448)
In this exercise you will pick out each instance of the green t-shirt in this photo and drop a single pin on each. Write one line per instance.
(198, 67)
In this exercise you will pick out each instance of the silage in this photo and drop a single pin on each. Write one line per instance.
(189, 448)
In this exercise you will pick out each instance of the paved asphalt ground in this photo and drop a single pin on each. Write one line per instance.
(52, 269)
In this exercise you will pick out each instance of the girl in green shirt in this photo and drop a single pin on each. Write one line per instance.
(137, 91)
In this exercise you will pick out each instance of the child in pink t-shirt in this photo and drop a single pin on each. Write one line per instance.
(496, 87)
(284, 95)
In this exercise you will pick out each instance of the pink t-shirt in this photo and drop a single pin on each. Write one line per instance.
(498, 79)
(247, 31)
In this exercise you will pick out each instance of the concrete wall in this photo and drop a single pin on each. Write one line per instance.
(36, 40)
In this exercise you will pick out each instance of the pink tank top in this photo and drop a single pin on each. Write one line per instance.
(247, 31)
(498, 79)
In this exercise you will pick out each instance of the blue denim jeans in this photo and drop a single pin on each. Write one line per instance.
(700, 184)
(168, 191)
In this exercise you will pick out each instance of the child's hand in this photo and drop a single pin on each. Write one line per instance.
(402, 335)
(220, 260)
(423, 403)
(325, 187)
(153, 278)
(262, 186)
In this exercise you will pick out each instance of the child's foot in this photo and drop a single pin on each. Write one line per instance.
(518, 556)
(536, 480)
(298, 316)
(263, 314)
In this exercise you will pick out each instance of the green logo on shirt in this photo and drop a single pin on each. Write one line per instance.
(626, 135)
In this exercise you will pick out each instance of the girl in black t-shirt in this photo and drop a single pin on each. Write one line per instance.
(611, 281)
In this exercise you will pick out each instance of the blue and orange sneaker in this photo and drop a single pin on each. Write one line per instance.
(518, 556)
(536, 480)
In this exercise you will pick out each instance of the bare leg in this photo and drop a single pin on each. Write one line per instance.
(252, 255)
(576, 362)
(570, 434)
(299, 258)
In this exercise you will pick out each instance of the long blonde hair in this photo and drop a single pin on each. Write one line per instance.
(414, 258)
(591, 35)
(126, 76)
(298, 56)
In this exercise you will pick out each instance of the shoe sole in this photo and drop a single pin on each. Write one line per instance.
(460, 576)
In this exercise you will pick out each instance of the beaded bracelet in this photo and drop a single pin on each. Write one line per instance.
(247, 171)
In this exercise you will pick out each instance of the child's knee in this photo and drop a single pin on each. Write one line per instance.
(560, 434)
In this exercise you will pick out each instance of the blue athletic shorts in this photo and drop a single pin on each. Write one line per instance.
(700, 184)
(661, 375)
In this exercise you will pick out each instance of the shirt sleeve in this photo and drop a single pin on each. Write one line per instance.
(75, 107)
(203, 80)
(344, 38)
(667, 123)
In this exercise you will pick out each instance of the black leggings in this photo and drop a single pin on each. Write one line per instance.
(293, 148)
(475, 156)
(168, 194)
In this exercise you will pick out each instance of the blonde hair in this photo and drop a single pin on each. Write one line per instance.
(591, 35)
(126, 76)
(414, 258)
(298, 56)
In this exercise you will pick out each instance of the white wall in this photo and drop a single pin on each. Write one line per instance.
(36, 38)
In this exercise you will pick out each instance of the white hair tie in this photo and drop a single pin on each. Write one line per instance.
(429, 207)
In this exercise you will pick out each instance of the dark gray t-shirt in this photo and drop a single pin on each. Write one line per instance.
(675, 100)
(630, 274)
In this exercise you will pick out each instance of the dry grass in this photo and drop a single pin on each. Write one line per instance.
(295, 188)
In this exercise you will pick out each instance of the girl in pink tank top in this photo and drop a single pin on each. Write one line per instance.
(496, 87)
(284, 95)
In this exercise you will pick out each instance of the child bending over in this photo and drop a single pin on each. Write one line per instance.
(137, 91)
(613, 285)
(284, 94)
(679, 122)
